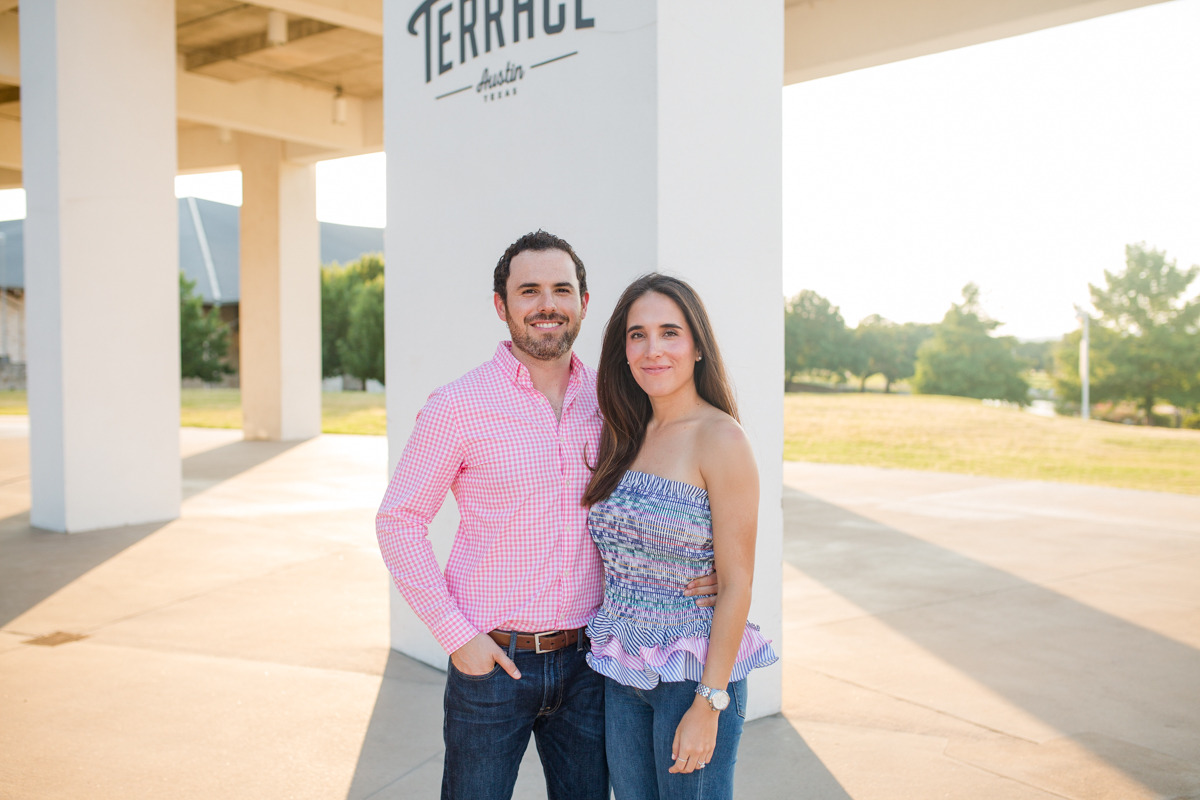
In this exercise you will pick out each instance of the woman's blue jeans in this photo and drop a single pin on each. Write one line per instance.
(640, 729)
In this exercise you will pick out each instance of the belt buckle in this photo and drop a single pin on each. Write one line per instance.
(537, 641)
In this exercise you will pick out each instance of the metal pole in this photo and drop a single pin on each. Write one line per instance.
(1084, 371)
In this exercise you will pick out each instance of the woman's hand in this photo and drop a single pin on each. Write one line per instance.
(695, 738)
(704, 589)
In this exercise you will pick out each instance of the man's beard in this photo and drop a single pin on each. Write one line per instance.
(539, 347)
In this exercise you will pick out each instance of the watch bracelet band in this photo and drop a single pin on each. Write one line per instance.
(707, 692)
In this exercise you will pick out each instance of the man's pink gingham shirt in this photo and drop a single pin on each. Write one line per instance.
(522, 558)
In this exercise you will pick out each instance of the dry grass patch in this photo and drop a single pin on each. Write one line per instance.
(353, 412)
(951, 434)
(341, 412)
(13, 402)
(210, 408)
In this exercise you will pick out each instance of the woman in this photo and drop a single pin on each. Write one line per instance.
(674, 489)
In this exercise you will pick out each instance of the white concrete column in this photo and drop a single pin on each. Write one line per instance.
(648, 134)
(720, 225)
(280, 311)
(101, 261)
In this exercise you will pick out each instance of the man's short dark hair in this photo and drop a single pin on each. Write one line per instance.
(534, 241)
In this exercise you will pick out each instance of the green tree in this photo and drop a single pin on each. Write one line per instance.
(1067, 385)
(1039, 355)
(361, 352)
(339, 285)
(963, 358)
(815, 338)
(887, 349)
(203, 337)
(1146, 346)
(912, 335)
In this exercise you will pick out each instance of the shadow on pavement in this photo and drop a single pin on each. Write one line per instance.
(401, 755)
(36, 563)
(774, 761)
(1077, 669)
(211, 467)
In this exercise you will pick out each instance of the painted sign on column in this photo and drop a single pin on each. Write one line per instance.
(444, 23)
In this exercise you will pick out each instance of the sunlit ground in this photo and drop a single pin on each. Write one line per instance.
(952, 434)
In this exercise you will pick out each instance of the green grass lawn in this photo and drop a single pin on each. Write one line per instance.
(341, 412)
(951, 434)
(944, 434)
(13, 403)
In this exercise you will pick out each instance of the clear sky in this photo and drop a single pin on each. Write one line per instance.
(1024, 165)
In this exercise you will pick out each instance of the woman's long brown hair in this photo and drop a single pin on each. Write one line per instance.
(625, 406)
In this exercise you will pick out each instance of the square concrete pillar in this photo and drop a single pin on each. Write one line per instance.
(280, 313)
(101, 256)
(648, 134)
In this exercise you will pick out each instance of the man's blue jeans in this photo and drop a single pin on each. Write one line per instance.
(489, 717)
(641, 729)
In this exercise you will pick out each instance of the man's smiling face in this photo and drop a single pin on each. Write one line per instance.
(544, 308)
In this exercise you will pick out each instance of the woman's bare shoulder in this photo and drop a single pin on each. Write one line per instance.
(722, 437)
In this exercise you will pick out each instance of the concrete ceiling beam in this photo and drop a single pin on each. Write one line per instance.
(205, 149)
(281, 109)
(361, 15)
(10, 50)
(10, 144)
(829, 37)
(297, 29)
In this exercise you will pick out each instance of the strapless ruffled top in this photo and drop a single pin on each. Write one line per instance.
(655, 536)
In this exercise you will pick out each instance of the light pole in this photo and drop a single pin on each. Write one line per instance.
(1084, 373)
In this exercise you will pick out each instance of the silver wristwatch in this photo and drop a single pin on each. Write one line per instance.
(718, 699)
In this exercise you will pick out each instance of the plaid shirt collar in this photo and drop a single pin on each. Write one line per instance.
(518, 373)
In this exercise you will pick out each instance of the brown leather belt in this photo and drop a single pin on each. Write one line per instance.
(546, 642)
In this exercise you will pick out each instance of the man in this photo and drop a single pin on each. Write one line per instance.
(512, 440)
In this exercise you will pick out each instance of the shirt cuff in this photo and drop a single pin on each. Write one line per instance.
(453, 632)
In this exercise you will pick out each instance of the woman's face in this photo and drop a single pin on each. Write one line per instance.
(659, 345)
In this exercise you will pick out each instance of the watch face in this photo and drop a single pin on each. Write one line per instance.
(719, 699)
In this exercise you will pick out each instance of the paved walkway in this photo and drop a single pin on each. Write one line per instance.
(947, 636)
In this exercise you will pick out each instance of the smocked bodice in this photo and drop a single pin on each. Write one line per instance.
(655, 536)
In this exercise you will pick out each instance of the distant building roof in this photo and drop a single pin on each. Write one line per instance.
(215, 225)
(346, 243)
(13, 253)
(340, 243)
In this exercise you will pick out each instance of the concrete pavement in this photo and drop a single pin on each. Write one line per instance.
(966, 637)
(946, 636)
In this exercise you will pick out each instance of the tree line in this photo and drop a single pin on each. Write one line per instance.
(351, 325)
(1145, 345)
(958, 356)
(1145, 340)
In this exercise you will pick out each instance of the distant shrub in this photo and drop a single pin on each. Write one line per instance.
(203, 337)
(352, 319)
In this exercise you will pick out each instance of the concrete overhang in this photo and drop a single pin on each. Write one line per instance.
(828, 37)
(288, 92)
